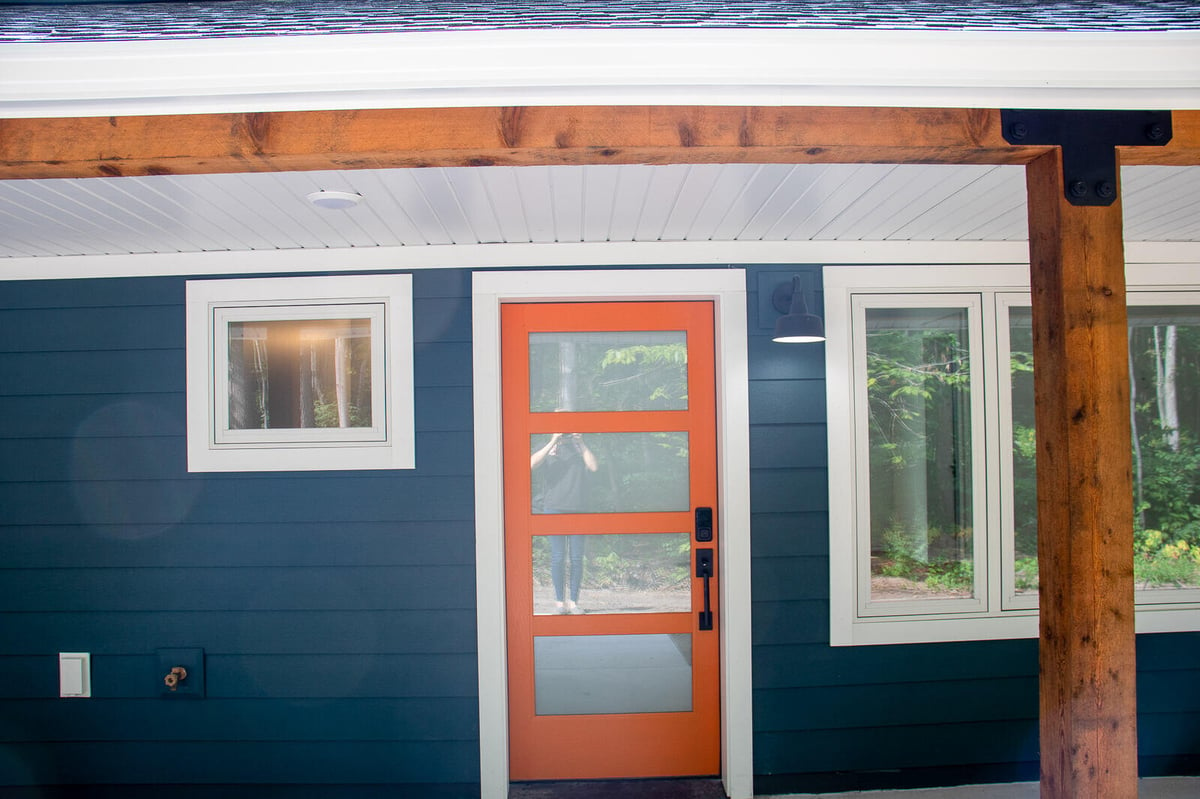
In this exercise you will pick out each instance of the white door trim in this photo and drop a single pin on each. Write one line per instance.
(727, 289)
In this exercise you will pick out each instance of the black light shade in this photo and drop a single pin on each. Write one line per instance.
(797, 325)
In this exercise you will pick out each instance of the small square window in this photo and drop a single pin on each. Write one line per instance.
(300, 373)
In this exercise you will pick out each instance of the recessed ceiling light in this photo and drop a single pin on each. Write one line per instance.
(335, 200)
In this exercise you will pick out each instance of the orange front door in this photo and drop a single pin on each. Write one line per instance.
(610, 488)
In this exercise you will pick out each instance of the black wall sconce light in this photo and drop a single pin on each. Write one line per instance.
(797, 325)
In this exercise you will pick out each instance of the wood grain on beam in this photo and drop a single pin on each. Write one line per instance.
(1182, 150)
(373, 139)
(1085, 491)
(310, 140)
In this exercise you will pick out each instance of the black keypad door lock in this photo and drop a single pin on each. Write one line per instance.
(704, 524)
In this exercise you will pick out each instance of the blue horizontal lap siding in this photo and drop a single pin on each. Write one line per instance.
(250, 762)
(935, 702)
(55, 416)
(433, 634)
(1168, 691)
(336, 609)
(295, 544)
(104, 372)
(908, 747)
(381, 718)
(84, 457)
(845, 718)
(892, 666)
(841, 718)
(790, 535)
(233, 500)
(337, 684)
(350, 588)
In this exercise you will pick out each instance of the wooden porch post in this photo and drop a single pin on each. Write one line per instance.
(1085, 493)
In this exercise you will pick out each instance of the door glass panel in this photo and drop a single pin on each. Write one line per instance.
(600, 674)
(300, 374)
(609, 472)
(608, 371)
(634, 573)
(918, 392)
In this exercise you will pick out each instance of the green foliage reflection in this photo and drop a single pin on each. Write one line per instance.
(1164, 351)
(918, 396)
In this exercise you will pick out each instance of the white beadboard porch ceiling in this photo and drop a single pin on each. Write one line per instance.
(484, 205)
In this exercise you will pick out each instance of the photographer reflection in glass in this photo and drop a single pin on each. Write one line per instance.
(564, 462)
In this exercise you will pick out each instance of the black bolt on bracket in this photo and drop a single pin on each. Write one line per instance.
(1088, 140)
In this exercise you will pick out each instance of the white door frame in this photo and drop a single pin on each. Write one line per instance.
(727, 289)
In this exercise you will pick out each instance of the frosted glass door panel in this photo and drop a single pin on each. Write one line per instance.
(608, 371)
(634, 573)
(599, 674)
(609, 472)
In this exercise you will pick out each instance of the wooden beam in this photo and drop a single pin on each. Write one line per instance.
(1085, 493)
(471, 137)
(1182, 150)
(374, 139)
(311, 140)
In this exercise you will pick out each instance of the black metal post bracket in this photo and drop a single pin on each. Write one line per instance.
(1088, 140)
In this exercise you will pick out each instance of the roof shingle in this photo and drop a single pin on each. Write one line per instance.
(243, 18)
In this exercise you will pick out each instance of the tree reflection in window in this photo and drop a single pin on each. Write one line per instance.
(643, 370)
(300, 374)
(918, 395)
(1164, 370)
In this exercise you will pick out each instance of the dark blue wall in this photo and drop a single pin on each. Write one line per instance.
(337, 609)
(841, 718)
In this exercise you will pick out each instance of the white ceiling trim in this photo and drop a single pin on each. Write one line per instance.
(576, 67)
(484, 256)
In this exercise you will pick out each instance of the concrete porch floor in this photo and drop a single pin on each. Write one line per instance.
(1148, 788)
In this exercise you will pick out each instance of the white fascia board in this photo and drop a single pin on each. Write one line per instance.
(487, 256)
(970, 69)
(492, 256)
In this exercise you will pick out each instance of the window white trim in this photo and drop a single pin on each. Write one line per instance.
(375, 313)
(727, 289)
(1004, 614)
(971, 303)
(213, 304)
(1010, 599)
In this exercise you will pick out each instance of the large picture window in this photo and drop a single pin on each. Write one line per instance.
(1164, 414)
(917, 364)
(300, 373)
(933, 492)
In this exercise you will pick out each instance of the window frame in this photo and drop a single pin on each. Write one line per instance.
(1136, 296)
(212, 305)
(1010, 599)
(225, 315)
(970, 303)
(1005, 614)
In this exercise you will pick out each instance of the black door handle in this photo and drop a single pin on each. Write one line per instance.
(704, 568)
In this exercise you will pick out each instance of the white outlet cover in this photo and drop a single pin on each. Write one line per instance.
(74, 674)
